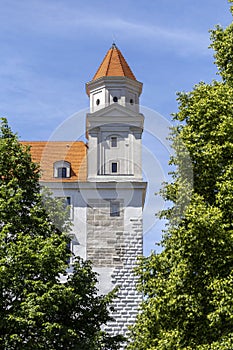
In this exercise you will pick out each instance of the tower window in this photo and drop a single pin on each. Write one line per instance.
(113, 141)
(114, 167)
(131, 101)
(115, 99)
(114, 208)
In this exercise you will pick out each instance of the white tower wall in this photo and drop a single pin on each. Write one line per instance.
(114, 240)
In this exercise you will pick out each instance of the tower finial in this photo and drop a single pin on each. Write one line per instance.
(113, 41)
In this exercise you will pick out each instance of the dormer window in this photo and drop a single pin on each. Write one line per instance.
(115, 99)
(61, 169)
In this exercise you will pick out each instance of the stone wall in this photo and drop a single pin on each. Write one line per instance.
(128, 299)
(109, 245)
(104, 234)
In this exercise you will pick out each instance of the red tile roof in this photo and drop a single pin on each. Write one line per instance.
(114, 64)
(46, 153)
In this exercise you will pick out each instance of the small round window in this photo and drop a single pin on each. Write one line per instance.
(115, 99)
(97, 101)
(131, 101)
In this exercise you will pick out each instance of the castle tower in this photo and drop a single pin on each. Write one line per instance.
(102, 183)
(114, 229)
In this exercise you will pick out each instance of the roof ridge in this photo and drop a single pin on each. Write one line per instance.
(109, 61)
(119, 56)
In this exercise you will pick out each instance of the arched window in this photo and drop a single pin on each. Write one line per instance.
(61, 169)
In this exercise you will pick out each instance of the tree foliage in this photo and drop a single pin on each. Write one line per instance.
(37, 311)
(188, 287)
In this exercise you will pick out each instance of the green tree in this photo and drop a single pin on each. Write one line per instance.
(37, 311)
(188, 287)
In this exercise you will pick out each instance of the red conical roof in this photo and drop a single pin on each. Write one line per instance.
(114, 65)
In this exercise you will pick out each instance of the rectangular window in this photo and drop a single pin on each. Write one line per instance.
(114, 208)
(66, 201)
(70, 249)
(114, 167)
(73, 242)
(113, 141)
(61, 172)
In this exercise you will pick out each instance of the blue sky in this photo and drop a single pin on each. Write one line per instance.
(51, 48)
